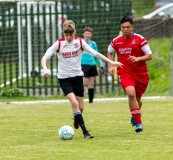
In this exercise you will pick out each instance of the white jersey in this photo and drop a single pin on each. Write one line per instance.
(69, 56)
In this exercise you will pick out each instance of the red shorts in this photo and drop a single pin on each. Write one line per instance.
(139, 81)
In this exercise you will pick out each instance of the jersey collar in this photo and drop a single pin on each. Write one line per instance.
(87, 41)
(131, 36)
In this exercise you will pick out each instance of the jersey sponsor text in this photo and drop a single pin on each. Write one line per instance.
(125, 50)
(70, 54)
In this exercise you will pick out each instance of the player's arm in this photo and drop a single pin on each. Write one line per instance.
(47, 56)
(46, 71)
(111, 67)
(147, 55)
(99, 61)
(110, 54)
(99, 55)
(112, 63)
(95, 47)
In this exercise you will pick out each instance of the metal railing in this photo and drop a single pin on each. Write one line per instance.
(27, 29)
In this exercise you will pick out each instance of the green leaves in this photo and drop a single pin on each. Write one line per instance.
(11, 92)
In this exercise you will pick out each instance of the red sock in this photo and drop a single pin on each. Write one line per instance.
(136, 115)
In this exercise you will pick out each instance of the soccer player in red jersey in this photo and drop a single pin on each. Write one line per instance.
(132, 51)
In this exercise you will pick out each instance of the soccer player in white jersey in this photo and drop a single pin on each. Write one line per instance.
(132, 51)
(69, 52)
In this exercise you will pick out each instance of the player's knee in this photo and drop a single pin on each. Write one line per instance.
(81, 109)
(140, 104)
(74, 103)
(131, 93)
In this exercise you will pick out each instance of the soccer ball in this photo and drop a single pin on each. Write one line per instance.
(66, 132)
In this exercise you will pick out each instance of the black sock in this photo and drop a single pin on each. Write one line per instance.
(91, 94)
(80, 120)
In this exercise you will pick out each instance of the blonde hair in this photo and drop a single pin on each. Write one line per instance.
(68, 26)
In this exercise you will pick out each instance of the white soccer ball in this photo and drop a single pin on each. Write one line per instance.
(109, 79)
(66, 132)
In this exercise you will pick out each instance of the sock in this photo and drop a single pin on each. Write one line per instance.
(91, 94)
(136, 115)
(80, 120)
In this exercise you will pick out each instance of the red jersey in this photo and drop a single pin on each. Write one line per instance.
(136, 46)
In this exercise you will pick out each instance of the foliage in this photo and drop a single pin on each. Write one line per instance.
(159, 67)
(159, 71)
(143, 7)
(11, 92)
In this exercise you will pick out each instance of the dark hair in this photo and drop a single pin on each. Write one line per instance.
(126, 19)
(89, 29)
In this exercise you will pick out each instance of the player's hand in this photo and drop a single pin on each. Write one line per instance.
(117, 64)
(47, 73)
(133, 59)
(111, 70)
(102, 69)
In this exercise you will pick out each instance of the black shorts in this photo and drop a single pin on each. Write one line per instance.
(72, 85)
(89, 70)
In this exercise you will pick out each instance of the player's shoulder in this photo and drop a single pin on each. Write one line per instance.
(117, 39)
(77, 38)
(138, 36)
(93, 42)
(61, 39)
(60, 42)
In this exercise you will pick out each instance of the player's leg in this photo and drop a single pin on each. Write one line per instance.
(79, 94)
(86, 71)
(80, 119)
(134, 108)
(84, 81)
(91, 77)
(128, 84)
(133, 104)
(81, 103)
(139, 102)
(67, 87)
(140, 105)
(141, 85)
(73, 101)
(91, 89)
(75, 108)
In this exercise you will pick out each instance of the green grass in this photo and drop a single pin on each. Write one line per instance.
(159, 67)
(29, 131)
(143, 7)
(31, 98)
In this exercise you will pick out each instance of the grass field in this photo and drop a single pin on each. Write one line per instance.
(29, 131)
(143, 7)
